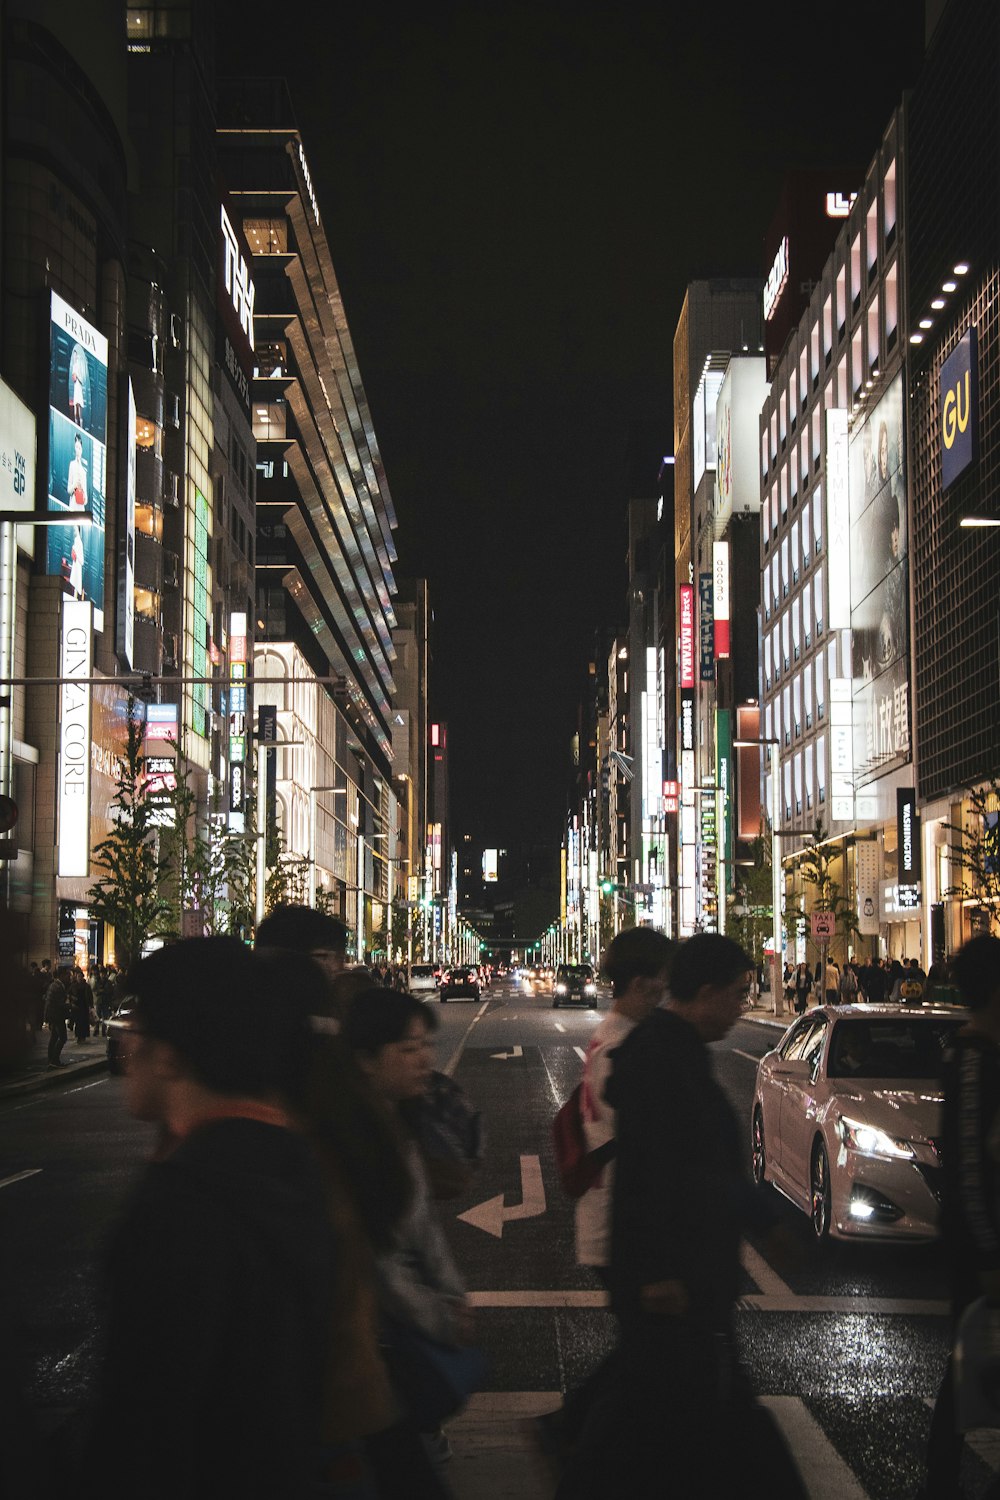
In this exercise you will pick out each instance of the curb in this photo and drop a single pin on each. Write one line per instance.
(35, 1082)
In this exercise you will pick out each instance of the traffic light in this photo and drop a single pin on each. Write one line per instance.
(8, 822)
(607, 887)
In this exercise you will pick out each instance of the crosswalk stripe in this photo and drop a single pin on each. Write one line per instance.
(766, 1278)
(824, 1472)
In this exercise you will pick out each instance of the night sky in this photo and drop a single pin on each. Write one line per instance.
(515, 197)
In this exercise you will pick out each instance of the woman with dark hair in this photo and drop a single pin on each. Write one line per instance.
(420, 1289)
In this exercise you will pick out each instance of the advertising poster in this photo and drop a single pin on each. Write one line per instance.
(879, 589)
(78, 434)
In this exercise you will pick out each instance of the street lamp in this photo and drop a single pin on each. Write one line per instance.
(314, 792)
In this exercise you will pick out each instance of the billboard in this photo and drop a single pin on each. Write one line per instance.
(686, 655)
(706, 627)
(75, 737)
(490, 864)
(78, 436)
(126, 574)
(720, 598)
(879, 588)
(737, 418)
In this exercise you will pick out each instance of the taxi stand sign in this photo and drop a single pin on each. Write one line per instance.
(823, 925)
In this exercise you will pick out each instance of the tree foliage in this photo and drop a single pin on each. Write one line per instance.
(974, 850)
(129, 891)
(815, 867)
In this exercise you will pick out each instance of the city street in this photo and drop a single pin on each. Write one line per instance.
(846, 1349)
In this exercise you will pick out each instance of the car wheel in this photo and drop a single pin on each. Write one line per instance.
(819, 1192)
(757, 1153)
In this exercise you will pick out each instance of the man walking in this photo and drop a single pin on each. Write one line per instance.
(220, 1314)
(681, 1416)
(55, 1015)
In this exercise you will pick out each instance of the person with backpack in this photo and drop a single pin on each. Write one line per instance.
(848, 985)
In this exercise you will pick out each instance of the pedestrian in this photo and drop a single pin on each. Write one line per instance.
(421, 1292)
(81, 998)
(970, 1154)
(219, 1274)
(832, 995)
(680, 1416)
(849, 987)
(803, 987)
(637, 965)
(894, 980)
(367, 1438)
(56, 1013)
(876, 986)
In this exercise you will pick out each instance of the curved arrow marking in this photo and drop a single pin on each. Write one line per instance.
(492, 1215)
(517, 1052)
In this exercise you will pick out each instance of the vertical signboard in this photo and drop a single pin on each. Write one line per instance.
(959, 405)
(720, 575)
(841, 751)
(706, 628)
(201, 609)
(724, 779)
(237, 721)
(17, 453)
(74, 737)
(126, 567)
(737, 415)
(908, 848)
(490, 866)
(867, 872)
(78, 435)
(838, 519)
(686, 660)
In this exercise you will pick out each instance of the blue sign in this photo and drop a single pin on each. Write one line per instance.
(706, 627)
(959, 401)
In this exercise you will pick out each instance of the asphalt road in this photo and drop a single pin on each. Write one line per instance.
(847, 1348)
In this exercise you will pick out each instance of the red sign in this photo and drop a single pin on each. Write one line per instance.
(823, 925)
(671, 796)
(686, 663)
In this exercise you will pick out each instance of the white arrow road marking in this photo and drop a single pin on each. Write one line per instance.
(515, 1053)
(492, 1215)
(19, 1177)
(560, 1026)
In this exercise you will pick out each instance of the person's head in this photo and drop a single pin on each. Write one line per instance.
(883, 451)
(389, 1033)
(894, 527)
(976, 970)
(708, 983)
(209, 1013)
(77, 444)
(302, 929)
(637, 964)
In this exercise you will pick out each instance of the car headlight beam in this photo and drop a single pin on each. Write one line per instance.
(870, 1140)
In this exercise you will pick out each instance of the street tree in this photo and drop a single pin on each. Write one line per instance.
(974, 850)
(128, 893)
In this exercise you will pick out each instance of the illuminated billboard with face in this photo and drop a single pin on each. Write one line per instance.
(879, 662)
(78, 436)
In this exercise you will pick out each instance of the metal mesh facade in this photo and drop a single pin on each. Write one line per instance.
(954, 189)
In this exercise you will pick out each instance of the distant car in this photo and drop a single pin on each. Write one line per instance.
(462, 981)
(422, 980)
(574, 985)
(846, 1118)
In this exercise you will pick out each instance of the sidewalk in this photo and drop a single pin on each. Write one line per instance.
(34, 1072)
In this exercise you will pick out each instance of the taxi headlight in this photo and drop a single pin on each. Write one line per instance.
(869, 1140)
(561, 989)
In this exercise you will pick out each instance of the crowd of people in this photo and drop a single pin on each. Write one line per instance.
(284, 1314)
(874, 980)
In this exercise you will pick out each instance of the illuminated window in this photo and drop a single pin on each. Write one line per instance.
(871, 238)
(818, 518)
(767, 662)
(814, 353)
(816, 448)
(149, 521)
(806, 533)
(793, 397)
(841, 301)
(873, 333)
(145, 433)
(818, 596)
(857, 362)
(783, 417)
(889, 203)
(796, 551)
(820, 665)
(797, 779)
(269, 420)
(891, 305)
(842, 383)
(807, 615)
(856, 272)
(807, 761)
(147, 605)
(267, 236)
(807, 695)
(804, 375)
(827, 328)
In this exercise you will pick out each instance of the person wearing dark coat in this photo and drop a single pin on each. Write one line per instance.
(682, 1198)
(219, 1274)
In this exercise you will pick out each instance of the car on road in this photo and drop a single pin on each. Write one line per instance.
(574, 984)
(461, 981)
(118, 1026)
(422, 980)
(846, 1118)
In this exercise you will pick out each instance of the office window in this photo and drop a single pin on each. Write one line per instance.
(783, 489)
(767, 662)
(775, 588)
(841, 301)
(774, 434)
(820, 669)
(818, 585)
(797, 784)
(814, 353)
(786, 715)
(891, 305)
(796, 630)
(786, 638)
(818, 518)
(842, 383)
(804, 375)
(796, 547)
(764, 465)
(856, 283)
(816, 445)
(806, 533)
(873, 333)
(786, 777)
(793, 397)
(889, 203)
(871, 238)
(827, 329)
(807, 763)
(786, 576)
(807, 615)
(857, 361)
(783, 417)
(768, 722)
(821, 769)
(807, 695)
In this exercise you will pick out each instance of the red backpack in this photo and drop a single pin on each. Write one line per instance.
(578, 1166)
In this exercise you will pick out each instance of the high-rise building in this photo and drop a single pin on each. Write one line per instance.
(324, 613)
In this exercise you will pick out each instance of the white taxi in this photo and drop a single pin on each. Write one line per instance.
(846, 1118)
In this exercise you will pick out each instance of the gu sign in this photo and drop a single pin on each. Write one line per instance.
(959, 396)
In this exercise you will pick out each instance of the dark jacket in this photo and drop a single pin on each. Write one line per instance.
(682, 1193)
(56, 1003)
(219, 1327)
(970, 1153)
